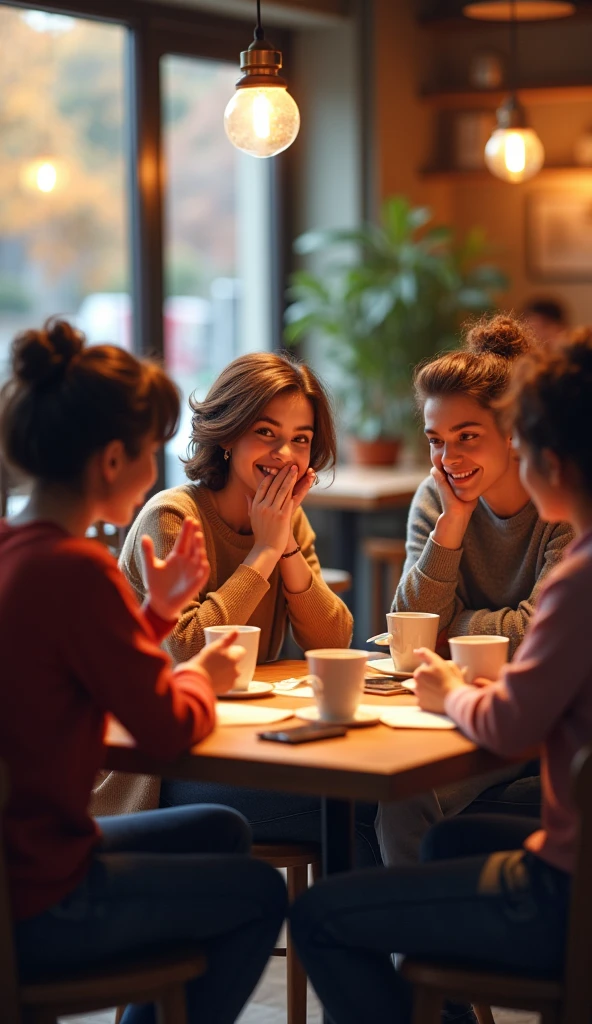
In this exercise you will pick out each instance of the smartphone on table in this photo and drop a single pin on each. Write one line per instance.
(304, 733)
(387, 686)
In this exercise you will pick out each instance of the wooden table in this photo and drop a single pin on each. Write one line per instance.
(365, 488)
(370, 764)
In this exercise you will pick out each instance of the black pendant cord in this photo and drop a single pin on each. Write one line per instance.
(259, 34)
(513, 49)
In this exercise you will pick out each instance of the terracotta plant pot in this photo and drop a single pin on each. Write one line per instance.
(382, 452)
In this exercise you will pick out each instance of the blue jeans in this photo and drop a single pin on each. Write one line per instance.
(159, 879)
(505, 910)
(277, 817)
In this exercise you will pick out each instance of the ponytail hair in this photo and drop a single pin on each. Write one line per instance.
(64, 402)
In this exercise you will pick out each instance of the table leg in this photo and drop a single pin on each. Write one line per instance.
(337, 842)
(337, 835)
(344, 547)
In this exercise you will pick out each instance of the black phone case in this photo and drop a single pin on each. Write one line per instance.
(303, 733)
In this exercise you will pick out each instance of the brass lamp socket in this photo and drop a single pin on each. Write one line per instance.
(260, 65)
(510, 114)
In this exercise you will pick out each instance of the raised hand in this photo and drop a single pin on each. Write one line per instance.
(220, 660)
(173, 581)
(302, 487)
(452, 523)
(435, 679)
(271, 510)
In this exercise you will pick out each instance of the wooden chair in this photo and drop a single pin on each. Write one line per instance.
(564, 1000)
(386, 556)
(296, 858)
(338, 580)
(158, 979)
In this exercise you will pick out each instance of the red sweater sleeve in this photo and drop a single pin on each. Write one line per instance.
(109, 645)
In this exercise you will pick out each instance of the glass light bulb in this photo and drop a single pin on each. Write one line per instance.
(262, 121)
(514, 154)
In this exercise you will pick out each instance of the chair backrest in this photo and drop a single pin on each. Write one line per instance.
(9, 998)
(578, 965)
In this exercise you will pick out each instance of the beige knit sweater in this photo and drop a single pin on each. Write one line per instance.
(235, 594)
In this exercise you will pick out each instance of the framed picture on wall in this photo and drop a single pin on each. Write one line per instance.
(559, 235)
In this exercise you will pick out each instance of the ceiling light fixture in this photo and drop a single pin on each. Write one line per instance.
(513, 152)
(526, 10)
(261, 119)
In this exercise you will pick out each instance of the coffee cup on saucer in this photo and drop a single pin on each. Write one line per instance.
(406, 632)
(248, 638)
(479, 655)
(337, 680)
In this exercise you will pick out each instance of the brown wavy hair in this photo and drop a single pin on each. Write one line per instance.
(235, 402)
(482, 367)
(64, 402)
(549, 399)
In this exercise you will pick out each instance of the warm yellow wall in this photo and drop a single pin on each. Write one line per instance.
(406, 57)
(402, 122)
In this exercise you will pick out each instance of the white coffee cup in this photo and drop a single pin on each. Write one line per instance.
(407, 632)
(337, 680)
(248, 638)
(479, 655)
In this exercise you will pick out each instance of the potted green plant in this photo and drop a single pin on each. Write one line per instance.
(389, 295)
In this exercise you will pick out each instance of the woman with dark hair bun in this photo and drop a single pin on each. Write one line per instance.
(258, 438)
(84, 424)
(477, 551)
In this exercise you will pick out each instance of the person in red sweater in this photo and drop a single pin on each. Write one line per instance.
(85, 425)
(496, 889)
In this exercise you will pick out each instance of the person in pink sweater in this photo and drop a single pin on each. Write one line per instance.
(84, 424)
(492, 892)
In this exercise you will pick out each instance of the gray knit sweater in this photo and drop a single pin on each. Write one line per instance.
(490, 585)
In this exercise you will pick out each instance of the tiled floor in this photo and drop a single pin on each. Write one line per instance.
(268, 1005)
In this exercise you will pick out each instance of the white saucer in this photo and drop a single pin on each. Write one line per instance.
(255, 690)
(365, 715)
(387, 666)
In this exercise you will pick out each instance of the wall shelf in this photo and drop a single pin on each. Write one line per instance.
(484, 99)
(444, 174)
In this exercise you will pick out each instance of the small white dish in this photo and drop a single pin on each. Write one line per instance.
(387, 666)
(412, 717)
(365, 715)
(285, 685)
(255, 690)
(302, 691)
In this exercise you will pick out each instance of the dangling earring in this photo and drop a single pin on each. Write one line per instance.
(316, 479)
(226, 454)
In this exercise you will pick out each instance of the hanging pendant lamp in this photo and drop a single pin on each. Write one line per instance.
(513, 152)
(261, 119)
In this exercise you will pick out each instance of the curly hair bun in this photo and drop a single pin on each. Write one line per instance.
(43, 357)
(501, 335)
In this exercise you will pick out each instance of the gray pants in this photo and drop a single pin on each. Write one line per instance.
(401, 825)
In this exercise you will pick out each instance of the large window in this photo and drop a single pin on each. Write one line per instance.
(64, 235)
(218, 297)
(79, 218)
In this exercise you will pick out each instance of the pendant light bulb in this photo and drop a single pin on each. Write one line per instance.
(261, 118)
(513, 151)
(514, 154)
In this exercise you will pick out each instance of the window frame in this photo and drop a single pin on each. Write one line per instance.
(155, 31)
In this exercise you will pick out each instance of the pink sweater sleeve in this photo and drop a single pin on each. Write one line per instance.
(520, 709)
